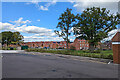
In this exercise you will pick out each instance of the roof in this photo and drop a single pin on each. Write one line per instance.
(116, 38)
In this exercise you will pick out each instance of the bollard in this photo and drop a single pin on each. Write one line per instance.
(116, 48)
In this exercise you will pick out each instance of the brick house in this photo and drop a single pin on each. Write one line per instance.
(63, 44)
(80, 44)
(107, 45)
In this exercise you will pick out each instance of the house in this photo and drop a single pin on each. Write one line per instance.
(107, 45)
(80, 44)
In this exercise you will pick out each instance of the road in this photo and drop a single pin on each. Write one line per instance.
(18, 65)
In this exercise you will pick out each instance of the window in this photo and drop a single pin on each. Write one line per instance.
(80, 47)
(80, 44)
(80, 41)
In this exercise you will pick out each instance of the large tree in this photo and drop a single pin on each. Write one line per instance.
(9, 37)
(6, 37)
(66, 21)
(17, 38)
(94, 24)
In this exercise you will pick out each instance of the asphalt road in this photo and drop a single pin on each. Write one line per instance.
(49, 66)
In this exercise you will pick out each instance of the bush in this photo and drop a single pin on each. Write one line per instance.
(14, 49)
(8, 48)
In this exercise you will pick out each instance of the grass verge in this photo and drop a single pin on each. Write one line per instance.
(108, 54)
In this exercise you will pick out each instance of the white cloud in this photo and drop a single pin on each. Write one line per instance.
(46, 6)
(93, 0)
(19, 21)
(24, 27)
(112, 6)
(51, 34)
(38, 20)
(6, 26)
(71, 1)
(39, 38)
(111, 34)
(32, 29)
(43, 7)
(34, 1)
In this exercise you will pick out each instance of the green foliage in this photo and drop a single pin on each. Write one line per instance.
(9, 37)
(103, 54)
(6, 37)
(94, 24)
(9, 48)
(17, 38)
(66, 21)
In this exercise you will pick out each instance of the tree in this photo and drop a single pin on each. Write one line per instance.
(94, 24)
(6, 37)
(17, 38)
(9, 37)
(66, 21)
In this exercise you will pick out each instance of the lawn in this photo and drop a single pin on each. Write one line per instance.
(107, 54)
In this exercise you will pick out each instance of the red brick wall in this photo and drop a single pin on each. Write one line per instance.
(81, 44)
(62, 44)
(116, 53)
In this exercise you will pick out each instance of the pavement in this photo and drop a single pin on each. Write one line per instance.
(12, 51)
(47, 65)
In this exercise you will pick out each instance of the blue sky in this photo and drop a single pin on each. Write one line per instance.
(37, 20)
(12, 11)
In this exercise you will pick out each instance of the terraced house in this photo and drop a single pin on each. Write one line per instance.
(78, 44)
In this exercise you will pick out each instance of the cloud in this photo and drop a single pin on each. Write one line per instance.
(19, 21)
(71, 1)
(112, 6)
(38, 20)
(43, 7)
(93, 0)
(111, 34)
(39, 38)
(6, 26)
(51, 34)
(21, 26)
(46, 6)
(32, 29)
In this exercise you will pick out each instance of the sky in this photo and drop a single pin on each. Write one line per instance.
(37, 20)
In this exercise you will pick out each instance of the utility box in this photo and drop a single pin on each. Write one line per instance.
(116, 48)
(24, 47)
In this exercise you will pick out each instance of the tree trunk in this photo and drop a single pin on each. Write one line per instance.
(91, 47)
(67, 44)
(67, 35)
